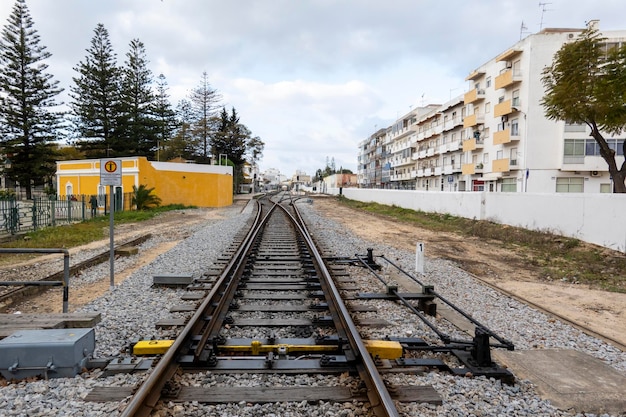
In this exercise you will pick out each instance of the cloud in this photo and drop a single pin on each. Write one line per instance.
(312, 78)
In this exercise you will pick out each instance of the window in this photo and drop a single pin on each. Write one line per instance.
(487, 107)
(513, 158)
(488, 82)
(485, 158)
(616, 144)
(515, 127)
(515, 100)
(575, 127)
(509, 185)
(605, 188)
(574, 151)
(570, 185)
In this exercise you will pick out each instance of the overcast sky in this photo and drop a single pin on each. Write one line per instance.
(311, 78)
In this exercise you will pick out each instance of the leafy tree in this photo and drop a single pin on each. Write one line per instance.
(27, 102)
(143, 198)
(136, 125)
(165, 116)
(95, 98)
(587, 84)
(204, 99)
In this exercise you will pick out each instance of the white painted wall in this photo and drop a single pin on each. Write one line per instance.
(593, 218)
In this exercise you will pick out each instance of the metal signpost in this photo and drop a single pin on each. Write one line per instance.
(111, 175)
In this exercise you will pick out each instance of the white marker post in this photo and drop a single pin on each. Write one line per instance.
(419, 258)
(111, 175)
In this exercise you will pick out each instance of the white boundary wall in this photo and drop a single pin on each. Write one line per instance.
(593, 218)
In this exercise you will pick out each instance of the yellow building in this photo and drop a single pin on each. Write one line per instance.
(175, 183)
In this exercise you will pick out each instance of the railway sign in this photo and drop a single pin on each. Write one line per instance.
(419, 258)
(111, 172)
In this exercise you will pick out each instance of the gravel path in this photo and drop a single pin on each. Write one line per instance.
(132, 308)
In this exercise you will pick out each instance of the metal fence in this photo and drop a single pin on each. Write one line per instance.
(26, 215)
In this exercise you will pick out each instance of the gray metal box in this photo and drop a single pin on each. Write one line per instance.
(53, 353)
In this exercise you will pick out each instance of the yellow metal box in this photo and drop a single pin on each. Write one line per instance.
(152, 347)
(384, 349)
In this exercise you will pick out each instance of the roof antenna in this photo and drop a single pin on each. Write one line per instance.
(543, 11)
(523, 29)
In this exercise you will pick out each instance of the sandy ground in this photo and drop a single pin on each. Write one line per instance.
(601, 311)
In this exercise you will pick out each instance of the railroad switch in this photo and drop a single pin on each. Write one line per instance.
(256, 348)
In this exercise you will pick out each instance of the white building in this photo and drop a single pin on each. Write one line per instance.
(494, 137)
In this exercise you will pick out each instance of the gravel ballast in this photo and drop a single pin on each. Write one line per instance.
(133, 307)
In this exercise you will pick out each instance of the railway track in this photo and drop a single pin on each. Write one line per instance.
(276, 261)
(260, 329)
(13, 294)
(277, 307)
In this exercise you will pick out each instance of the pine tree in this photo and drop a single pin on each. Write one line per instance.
(182, 144)
(165, 117)
(136, 123)
(204, 99)
(28, 117)
(95, 96)
(230, 137)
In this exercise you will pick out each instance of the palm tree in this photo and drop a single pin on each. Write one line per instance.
(143, 198)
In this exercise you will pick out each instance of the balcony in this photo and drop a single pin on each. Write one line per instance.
(500, 165)
(473, 144)
(505, 136)
(502, 109)
(473, 120)
(507, 78)
(475, 75)
(455, 146)
(508, 55)
(468, 169)
(474, 95)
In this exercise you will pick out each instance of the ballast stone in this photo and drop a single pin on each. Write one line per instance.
(51, 353)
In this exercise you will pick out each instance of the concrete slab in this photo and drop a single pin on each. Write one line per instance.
(172, 279)
(572, 381)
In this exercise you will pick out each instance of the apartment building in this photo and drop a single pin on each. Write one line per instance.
(494, 137)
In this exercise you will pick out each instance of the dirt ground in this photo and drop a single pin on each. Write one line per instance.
(168, 225)
(603, 312)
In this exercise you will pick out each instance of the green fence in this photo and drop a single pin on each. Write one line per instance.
(25, 215)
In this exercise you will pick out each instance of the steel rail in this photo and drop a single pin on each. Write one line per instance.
(505, 343)
(379, 397)
(146, 397)
(27, 289)
(233, 270)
